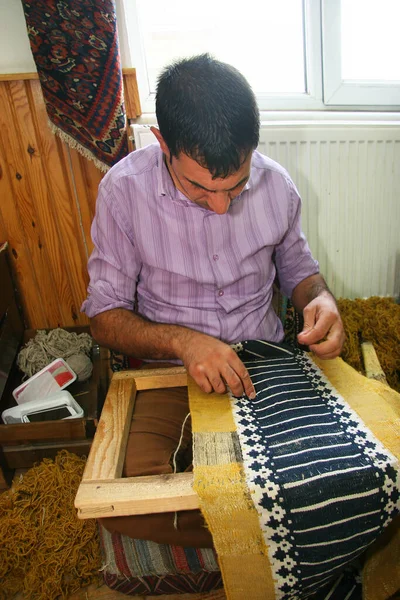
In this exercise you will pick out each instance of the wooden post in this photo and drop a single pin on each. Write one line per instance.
(372, 366)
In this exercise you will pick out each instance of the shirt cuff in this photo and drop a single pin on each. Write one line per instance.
(98, 302)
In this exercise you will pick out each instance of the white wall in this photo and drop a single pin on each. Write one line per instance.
(15, 51)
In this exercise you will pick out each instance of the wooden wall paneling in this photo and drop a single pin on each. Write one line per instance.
(131, 100)
(47, 202)
(86, 178)
(19, 255)
(69, 260)
(41, 170)
(19, 218)
(78, 209)
(3, 194)
(131, 94)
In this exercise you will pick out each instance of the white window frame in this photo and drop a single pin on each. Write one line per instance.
(348, 93)
(325, 88)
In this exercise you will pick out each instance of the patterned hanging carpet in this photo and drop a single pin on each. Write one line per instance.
(297, 484)
(75, 48)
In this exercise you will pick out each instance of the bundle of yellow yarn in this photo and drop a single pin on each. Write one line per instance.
(376, 320)
(46, 552)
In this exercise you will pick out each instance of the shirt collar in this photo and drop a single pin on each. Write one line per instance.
(166, 187)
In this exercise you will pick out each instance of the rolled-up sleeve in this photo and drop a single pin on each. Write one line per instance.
(293, 259)
(113, 265)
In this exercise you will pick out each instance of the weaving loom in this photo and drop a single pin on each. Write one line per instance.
(294, 485)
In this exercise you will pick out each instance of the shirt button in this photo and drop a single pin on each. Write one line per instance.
(215, 257)
(220, 292)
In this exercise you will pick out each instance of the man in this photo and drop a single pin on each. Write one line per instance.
(197, 228)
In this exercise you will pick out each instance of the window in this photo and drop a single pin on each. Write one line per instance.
(296, 54)
(183, 30)
(361, 52)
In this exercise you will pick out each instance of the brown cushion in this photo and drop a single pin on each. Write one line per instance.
(155, 432)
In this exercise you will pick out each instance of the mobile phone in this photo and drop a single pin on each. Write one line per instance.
(48, 414)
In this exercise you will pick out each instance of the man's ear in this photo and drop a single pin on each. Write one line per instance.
(161, 141)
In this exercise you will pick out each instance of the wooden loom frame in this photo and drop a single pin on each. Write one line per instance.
(102, 491)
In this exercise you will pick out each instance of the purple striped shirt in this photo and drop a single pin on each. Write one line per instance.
(189, 266)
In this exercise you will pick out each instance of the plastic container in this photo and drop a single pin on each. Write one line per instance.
(59, 370)
(58, 406)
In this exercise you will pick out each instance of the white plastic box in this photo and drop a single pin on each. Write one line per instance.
(55, 407)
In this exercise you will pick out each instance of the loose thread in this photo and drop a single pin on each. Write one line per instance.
(174, 461)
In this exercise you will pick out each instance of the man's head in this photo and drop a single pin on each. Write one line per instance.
(208, 127)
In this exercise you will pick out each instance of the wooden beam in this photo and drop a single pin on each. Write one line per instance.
(22, 433)
(106, 457)
(25, 457)
(18, 76)
(136, 496)
(34, 75)
(155, 378)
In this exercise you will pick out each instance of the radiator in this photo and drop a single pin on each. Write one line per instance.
(348, 175)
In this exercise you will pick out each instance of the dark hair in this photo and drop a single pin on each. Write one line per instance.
(207, 110)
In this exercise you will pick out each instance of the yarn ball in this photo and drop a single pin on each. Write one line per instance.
(81, 365)
(46, 346)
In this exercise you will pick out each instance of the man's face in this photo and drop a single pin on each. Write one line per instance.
(197, 183)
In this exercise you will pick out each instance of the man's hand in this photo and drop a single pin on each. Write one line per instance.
(322, 322)
(211, 363)
(214, 365)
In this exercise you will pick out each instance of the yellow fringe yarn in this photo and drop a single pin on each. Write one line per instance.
(46, 552)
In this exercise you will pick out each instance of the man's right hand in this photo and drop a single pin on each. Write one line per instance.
(214, 365)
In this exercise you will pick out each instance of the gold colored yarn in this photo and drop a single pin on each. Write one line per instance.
(376, 320)
(46, 552)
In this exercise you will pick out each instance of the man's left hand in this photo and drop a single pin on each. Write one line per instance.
(323, 329)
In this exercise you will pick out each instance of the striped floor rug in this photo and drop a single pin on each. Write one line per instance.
(294, 485)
